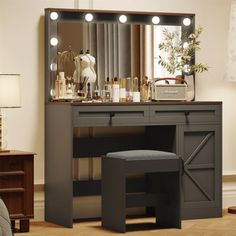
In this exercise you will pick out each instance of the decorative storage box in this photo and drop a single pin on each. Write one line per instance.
(171, 92)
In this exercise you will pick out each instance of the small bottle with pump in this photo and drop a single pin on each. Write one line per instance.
(116, 90)
(109, 86)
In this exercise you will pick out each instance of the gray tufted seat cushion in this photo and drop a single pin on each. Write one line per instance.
(5, 223)
(134, 155)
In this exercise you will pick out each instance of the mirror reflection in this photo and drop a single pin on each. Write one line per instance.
(113, 50)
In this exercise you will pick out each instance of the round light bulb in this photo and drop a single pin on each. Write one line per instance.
(53, 67)
(186, 21)
(123, 18)
(52, 93)
(185, 45)
(54, 41)
(88, 17)
(187, 68)
(54, 15)
(155, 20)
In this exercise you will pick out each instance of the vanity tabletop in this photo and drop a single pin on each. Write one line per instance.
(76, 103)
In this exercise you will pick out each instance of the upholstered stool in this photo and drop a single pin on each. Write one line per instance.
(162, 183)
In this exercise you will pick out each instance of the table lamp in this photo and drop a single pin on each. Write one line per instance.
(9, 98)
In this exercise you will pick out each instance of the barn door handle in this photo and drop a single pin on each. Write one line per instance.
(112, 114)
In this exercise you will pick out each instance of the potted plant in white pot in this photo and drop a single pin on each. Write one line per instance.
(179, 57)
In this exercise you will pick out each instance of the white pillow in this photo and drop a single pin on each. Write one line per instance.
(5, 223)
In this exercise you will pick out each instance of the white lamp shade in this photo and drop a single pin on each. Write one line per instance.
(10, 90)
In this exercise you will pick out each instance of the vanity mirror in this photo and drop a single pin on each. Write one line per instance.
(122, 44)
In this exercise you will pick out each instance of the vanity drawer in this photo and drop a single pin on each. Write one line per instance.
(110, 115)
(185, 114)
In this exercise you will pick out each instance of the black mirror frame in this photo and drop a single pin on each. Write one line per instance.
(102, 17)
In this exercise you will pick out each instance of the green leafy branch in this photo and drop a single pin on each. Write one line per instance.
(180, 53)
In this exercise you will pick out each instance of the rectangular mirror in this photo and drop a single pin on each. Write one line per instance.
(128, 49)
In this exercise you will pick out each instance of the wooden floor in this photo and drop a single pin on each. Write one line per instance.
(225, 226)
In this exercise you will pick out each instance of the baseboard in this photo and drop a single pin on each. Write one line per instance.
(39, 210)
(229, 196)
(39, 203)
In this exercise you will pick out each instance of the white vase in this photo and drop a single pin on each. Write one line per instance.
(190, 87)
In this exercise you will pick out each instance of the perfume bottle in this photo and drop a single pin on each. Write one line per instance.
(116, 90)
(106, 97)
(57, 88)
(96, 93)
(69, 91)
(129, 90)
(144, 89)
(122, 90)
(136, 93)
(69, 88)
(109, 86)
(62, 84)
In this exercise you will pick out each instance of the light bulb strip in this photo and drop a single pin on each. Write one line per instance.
(89, 17)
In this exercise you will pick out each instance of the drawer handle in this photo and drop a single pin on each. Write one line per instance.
(112, 114)
(186, 113)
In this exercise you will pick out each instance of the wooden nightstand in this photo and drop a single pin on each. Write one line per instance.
(17, 186)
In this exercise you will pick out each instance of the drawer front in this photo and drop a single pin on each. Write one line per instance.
(11, 164)
(110, 115)
(185, 114)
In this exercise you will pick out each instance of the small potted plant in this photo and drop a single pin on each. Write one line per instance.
(180, 56)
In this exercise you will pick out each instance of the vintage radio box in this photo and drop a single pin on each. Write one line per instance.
(169, 92)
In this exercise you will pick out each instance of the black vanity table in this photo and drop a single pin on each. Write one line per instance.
(193, 130)
(74, 130)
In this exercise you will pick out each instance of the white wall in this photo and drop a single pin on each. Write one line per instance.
(22, 51)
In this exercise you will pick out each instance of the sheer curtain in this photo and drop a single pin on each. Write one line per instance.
(230, 72)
